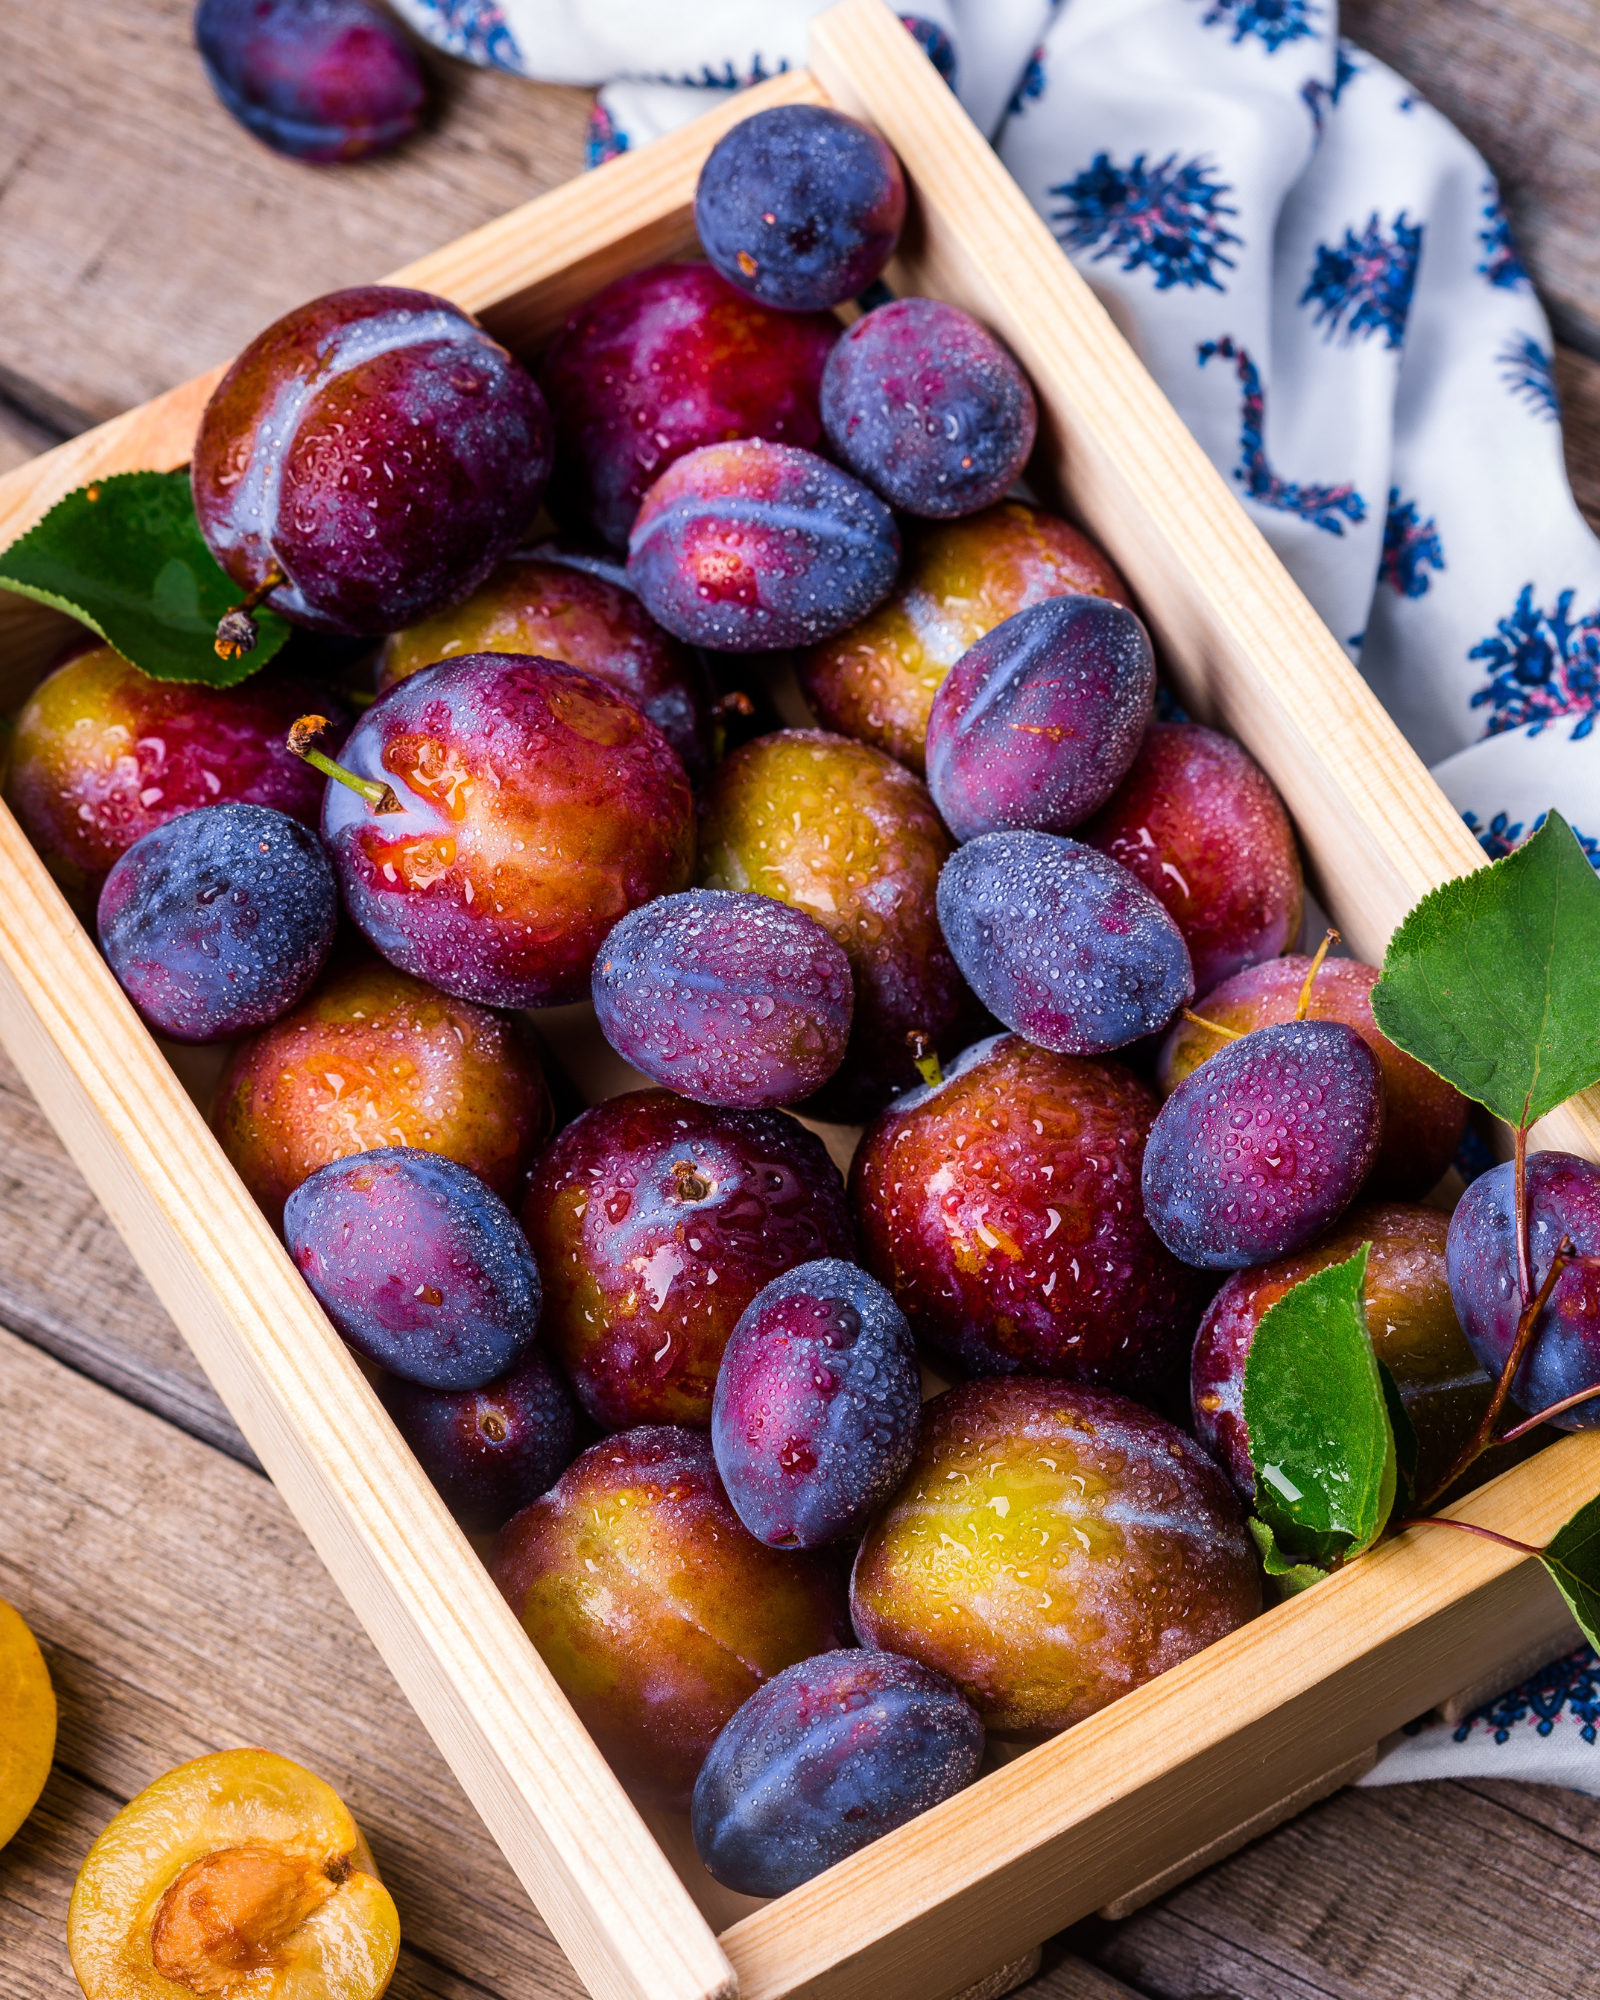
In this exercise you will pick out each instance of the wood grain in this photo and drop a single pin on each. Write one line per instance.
(1519, 78)
(235, 1634)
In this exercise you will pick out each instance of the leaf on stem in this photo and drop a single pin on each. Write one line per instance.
(1321, 1440)
(1290, 1577)
(1490, 980)
(1573, 1559)
(125, 556)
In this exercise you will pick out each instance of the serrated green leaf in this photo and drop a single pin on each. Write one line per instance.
(1289, 1577)
(131, 564)
(1406, 1444)
(1491, 981)
(1321, 1441)
(1572, 1557)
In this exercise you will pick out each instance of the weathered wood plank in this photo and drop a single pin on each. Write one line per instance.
(1521, 79)
(1578, 379)
(181, 1610)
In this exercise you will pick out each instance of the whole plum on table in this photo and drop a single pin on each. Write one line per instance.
(102, 753)
(369, 459)
(375, 1058)
(736, 1000)
(750, 546)
(553, 610)
(657, 1612)
(928, 408)
(1412, 1322)
(1037, 724)
(1051, 1549)
(800, 207)
(1060, 943)
(1265, 1146)
(419, 1266)
(537, 807)
(1563, 1357)
(1200, 824)
(828, 1756)
(655, 1222)
(219, 921)
(815, 1416)
(489, 1451)
(660, 363)
(960, 579)
(320, 80)
(1424, 1117)
(1001, 1208)
(844, 833)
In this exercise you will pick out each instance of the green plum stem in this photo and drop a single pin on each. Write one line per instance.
(1215, 1027)
(1331, 938)
(925, 1056)
(300, 740)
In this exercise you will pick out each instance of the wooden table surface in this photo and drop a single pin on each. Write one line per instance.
(144, 237)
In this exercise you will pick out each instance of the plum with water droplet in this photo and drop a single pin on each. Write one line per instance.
(815, 1415)
(656, 1221)
(418, 1265)
(825, 1758)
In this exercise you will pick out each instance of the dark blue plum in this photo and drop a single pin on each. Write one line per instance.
(319, 80)
(1038, 723)
(1481, 1258)
(730, 998)
(816, 1411)
(928, 408)
(1065, 947)
(748, 546)
(489, 1451)
(827, 1757)
(418, 1265)
(219, 921)
(1265, 1145)
(800, 207)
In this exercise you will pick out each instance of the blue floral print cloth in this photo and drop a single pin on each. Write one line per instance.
(1317, 269)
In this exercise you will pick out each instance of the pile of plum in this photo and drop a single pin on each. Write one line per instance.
(668, 1353)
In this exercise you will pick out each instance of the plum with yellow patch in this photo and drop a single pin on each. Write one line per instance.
(841, 831)
(1001, 1208)
(240, 1874)
(1052, 1548)
(27, 1721)
(536, 807)
(376, 1058)
(959, 580)
(657, 1611)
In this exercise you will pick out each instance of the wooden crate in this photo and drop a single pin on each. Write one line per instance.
(1169, 1771)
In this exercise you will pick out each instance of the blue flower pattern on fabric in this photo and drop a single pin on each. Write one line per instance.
(1364, 285)
(1502, 834)
(1320, 97)
(1543, 665)
(1029, 87)
(934, 43)
(1271, 22)
(1530, 374)
(1500, 265)
(603, 138)
(475, 30)
(1411, 547)
(1165, 218)
(1570, 1685)
(1326, 507)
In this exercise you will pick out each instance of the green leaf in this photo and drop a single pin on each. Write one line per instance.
(1406, 1444)
(1290, 1577)
(1491, 980)
(126, 557)
(1573, 1559)
(1321, 1441)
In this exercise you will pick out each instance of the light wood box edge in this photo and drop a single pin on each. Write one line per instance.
(1082, 1820)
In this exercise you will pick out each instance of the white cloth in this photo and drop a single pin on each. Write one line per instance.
(1316, 268)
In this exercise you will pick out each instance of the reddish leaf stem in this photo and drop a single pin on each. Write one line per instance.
(1468, 1528)
(1524, 1259)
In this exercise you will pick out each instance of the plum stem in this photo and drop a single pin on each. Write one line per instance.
(1216, 1027)
(237, 631)
(1468, 1528)
(925, 1056)
(1527, 1319)
(723, 710)
(1331, 938)
(301, 738)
